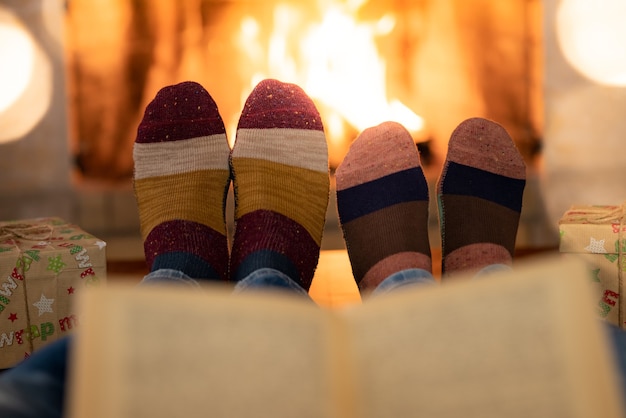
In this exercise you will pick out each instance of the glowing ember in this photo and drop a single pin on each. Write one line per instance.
(335, 59)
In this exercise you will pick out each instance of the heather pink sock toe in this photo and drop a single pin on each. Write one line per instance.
(382, 200)
(480, 197)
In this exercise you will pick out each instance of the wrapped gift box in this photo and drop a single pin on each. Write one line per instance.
(598, 235)
(44, 264)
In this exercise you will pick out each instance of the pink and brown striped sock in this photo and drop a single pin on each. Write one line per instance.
(181, 180)
(480, 197)
(382, 200)
(279, 165)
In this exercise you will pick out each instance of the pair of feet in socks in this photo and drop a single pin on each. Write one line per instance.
(279, 169)
(383, 200)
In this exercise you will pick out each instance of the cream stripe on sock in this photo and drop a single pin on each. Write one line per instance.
(295, 147)
(182, 156)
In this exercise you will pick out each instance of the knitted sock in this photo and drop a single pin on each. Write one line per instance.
(181, 180)
(480, 197)
(382, 200)
(280, 174)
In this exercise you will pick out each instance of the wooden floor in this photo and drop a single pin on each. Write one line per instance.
(333, 285)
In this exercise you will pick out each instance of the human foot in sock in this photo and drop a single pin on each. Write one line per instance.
(181, 179)
(279, 165)
(480, 197)
(382, 200)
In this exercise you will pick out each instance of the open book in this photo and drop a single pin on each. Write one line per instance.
(525, 344)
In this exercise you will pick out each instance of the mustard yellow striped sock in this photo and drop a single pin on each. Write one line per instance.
(279, 165)
(181, 179)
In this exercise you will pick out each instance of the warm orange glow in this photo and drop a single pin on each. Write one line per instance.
(333, 285)
(335, 59)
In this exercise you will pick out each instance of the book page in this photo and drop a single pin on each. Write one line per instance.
(165, 352)
(525, 344)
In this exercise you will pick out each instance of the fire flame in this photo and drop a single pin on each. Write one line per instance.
(335, 59)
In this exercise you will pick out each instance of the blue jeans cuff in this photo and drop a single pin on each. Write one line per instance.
(268, 278)
(412, 277)
(404, 279)
(169, 276)
(493, 268)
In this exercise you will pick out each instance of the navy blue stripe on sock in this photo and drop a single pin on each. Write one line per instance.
(267, 259)
(190, 264)
(469, 181)
(404, 186)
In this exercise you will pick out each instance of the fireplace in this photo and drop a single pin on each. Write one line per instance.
(428, 64)
(538, 67)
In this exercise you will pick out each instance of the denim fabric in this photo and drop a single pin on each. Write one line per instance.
(494, 268)
(35, 388)
(412, 277)
(618, 338)
(169, 276)
(267, 278)
(404, 279)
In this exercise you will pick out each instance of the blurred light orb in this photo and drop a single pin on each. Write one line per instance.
(25, 79)
(16, 52)
(592, 36)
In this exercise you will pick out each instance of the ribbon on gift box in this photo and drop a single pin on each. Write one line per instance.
(597, 214)
(32, 232)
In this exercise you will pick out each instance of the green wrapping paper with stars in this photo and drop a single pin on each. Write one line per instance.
(597, 234)
(45, 263)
